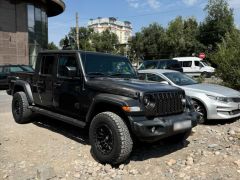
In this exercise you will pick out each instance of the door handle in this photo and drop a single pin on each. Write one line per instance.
(57, 84)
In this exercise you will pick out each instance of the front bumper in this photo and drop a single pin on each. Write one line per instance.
(220, 110)
(162, 126)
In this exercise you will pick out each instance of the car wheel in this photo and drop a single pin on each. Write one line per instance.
(198, 107)
(20, 110)
(110, 138)
(178, 138)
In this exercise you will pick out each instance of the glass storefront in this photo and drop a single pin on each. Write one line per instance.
(37, 30)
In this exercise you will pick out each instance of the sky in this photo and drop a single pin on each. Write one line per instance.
(140, 13)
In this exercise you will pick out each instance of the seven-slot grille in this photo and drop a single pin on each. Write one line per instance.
(166, 103)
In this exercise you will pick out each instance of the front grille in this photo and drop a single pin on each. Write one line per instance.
(166, 103)
(236, 99)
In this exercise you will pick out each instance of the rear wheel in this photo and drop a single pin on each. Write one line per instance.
(198, 107)
(110, 138)
(20, 110)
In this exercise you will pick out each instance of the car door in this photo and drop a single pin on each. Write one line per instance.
(68, 90)
(187, 67)
(44, 81)
(197, 68)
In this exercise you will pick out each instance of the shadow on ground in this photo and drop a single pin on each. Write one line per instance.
(220, 122)
(141, 151)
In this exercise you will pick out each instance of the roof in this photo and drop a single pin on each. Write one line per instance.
(54, 7)
(186, 58)
(79, 51)
(157, 71)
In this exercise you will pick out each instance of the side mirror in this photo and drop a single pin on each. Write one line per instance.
(164, 82)
(71, 71)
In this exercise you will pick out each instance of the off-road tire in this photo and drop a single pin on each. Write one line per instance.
(178, 138)
(21, 113)
(121, 138)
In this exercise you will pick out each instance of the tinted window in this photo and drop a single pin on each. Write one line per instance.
(173, 64)
(47, 65)
(149, 65)
(180, 78)
(153, 77)
(107, 65)
(16, 69)
(27, 68)
(65, 62)
(1, 69)
(197, 63)
(187, 63)
(142, 76)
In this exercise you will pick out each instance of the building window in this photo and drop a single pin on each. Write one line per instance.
(37, 30)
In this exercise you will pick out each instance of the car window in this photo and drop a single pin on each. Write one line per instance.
(187, 64)
(180, 79)
(149, 65)
(154, 77)
(64, 62)
(162, 65)
(27, 68)
(16, 69)
(197, 63)
(47, 65)
(142, 76)
(172, 64)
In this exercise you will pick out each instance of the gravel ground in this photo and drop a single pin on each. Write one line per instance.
(48, 149)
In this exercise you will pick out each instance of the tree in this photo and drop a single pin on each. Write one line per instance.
(218, 22)
(227, 57)
(52, 46)
(105, 42)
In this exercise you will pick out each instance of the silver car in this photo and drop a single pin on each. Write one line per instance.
(211, 101)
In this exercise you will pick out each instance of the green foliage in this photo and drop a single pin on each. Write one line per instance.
(218, 22)
(90, 40)
(52, 46)
(227, 57)
(179, 39)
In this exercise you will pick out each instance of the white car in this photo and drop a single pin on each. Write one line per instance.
(194, 66)
(213, 102)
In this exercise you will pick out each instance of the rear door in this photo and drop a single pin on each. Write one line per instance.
(44, 81)
(187, 67)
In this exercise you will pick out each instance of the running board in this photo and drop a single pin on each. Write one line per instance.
(57, 116)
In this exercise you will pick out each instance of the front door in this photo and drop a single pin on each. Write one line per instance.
(68, 92)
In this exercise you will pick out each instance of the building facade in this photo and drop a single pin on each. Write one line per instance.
(24, 28)
(122, 29)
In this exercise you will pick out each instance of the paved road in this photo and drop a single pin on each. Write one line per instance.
(5, 102)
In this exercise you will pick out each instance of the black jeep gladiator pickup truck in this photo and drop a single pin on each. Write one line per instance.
(101, 92)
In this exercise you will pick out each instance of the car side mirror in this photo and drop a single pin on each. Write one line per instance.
(71, 71)
(165, 82)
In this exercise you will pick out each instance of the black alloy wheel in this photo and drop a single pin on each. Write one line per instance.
(104, 139)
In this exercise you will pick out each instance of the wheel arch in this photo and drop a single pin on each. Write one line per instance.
(26, 88)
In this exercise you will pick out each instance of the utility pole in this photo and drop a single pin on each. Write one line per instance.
(77, 31)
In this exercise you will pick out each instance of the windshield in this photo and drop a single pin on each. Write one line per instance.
(27, 68)
(204, 63)
(180, 79)
(107, 65)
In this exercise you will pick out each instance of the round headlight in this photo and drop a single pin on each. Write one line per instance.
(149, 101)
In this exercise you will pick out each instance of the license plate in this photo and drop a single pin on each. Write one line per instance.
(182, 125)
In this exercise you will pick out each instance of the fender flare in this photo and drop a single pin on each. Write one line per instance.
(116, 100)
(27, 89)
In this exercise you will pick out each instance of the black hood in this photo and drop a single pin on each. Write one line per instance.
(127, 87)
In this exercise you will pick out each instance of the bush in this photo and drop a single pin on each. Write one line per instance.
(227, 58)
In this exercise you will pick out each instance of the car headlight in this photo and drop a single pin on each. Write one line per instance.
(222, 99)
(149, 101)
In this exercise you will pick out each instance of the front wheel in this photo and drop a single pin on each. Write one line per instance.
(110, 138)
(198, 107)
